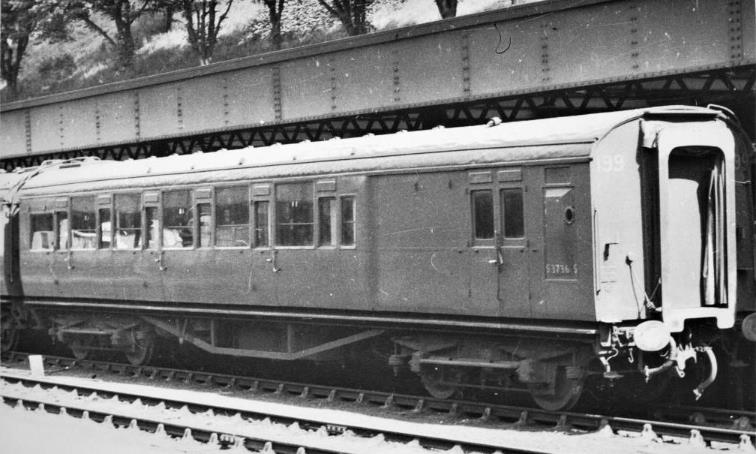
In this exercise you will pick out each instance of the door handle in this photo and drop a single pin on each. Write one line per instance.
(159, 261)
(499, 260)
(272, 260)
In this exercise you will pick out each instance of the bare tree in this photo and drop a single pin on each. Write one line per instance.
(203, 22)
(18, 22)
(58, 15)
(167, 8)
(447, 8)
(275, 10)
(351, 13)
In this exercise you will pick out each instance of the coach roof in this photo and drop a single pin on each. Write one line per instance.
(543, 139)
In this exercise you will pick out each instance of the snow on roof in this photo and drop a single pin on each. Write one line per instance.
(522, 141)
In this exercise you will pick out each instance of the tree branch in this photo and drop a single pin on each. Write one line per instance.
(225, 13)
(328, 7)
(136, 15)
(89, 23)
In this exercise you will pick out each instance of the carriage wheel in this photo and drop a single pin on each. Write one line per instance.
(142, 349)
(565, 395)
(433, 381)
(80, 348)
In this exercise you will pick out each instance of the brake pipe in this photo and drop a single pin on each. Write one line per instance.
(698, 392)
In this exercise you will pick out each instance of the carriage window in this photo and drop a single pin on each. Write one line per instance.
(483, 218)
(232, 217)
(42, 234)
(261, 224)
(152, 231)
(327, 221)
(512, 213)
(105, 233)
(177, 219)
(347, 221)
(83, 223)
(204, 218)
(61, 220)
(294, 214)
(128, 227)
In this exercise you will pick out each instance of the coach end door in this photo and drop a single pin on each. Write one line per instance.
(696, 224)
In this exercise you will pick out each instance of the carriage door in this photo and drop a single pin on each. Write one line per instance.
(9, 250)
(512, 245)
(696, 188)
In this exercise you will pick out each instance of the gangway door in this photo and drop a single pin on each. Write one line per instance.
(697, 224)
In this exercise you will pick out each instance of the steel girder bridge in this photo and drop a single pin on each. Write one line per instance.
(542, 59)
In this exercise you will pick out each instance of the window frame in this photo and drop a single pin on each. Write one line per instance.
(115, 227)
(101, 205)
(502, 213)
(341, 221)
(268, 225)
(157, 204)
(273, 215)
(250, 216)
(483, 242)
(56, 228)
(335, 234)
(196, 201)
(161, 220)
(262, 192)
(70, 222)
(31, 232)
(197, 226)
(496, 181)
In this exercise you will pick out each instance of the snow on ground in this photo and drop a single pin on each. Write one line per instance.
(38, 432)
(389, 15)
(411, 12)
(174, 39)
(20, 430)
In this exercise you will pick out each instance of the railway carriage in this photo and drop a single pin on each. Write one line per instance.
(529, 254)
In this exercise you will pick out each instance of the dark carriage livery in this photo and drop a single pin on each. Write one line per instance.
(526, 254)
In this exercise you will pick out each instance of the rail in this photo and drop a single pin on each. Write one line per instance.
(699, 425)
(217, 421)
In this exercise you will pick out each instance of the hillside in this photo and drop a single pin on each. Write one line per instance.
(87, 60)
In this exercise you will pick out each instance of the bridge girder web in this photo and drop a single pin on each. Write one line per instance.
(732, 87)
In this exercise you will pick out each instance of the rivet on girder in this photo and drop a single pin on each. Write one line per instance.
(137, 129)
(734, 31)
(545, 68)
(27, 130)
(60, 125)
(179, 109)
(276, 80)
(332, 70)
(97, 122)
(465, 47)
(397, 82)
(225, 101)
(634, 41)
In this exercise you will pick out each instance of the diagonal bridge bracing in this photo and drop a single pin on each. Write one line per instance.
(733, 87)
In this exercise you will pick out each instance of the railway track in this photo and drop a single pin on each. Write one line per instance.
(702, 426)
(215, 423)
